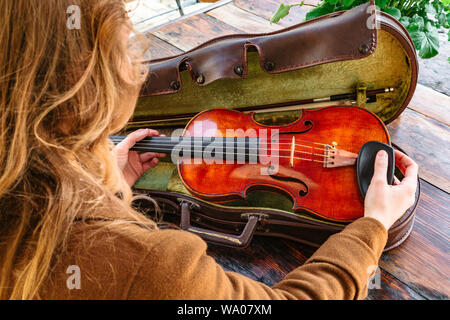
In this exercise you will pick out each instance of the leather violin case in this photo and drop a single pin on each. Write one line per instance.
(273, 75)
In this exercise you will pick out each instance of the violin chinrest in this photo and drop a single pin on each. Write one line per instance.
(366, 161)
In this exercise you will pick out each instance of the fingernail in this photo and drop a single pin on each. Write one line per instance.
(382, 154)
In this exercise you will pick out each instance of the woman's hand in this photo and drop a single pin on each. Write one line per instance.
(388, 203)
(132, 163)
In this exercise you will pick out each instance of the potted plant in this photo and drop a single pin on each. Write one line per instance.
(421, 18)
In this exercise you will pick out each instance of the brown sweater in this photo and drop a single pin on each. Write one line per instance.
(170, 264)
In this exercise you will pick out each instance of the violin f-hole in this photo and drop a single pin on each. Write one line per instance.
(301, 193)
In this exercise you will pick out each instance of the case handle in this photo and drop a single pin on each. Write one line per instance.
(215, 237)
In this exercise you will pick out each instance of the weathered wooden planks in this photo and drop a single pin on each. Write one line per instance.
(243, 20)
(188, 33)
(422, 261)
(267, 259)
(148, 15)
(426, 141)
(266, 9)
(431, 103)
(392, 289)
(160, 49)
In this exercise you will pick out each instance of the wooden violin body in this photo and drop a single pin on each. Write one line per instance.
(302, 156)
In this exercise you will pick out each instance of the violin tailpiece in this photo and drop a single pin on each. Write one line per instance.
(338, 158)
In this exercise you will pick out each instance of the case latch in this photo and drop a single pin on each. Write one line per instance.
(190, 203)
(261, 216)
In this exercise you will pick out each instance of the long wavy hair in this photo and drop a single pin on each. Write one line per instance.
(63, 91)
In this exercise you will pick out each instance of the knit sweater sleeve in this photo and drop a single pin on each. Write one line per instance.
(178, 267)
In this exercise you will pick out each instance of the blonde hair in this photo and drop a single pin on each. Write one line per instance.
(62, 93)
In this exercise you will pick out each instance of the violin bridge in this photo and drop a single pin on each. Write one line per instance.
(338, 158)
(291, 162)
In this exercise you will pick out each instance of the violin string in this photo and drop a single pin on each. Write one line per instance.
(145, 147)
(246, 154)
(155, 145)
(163, 150)
(303, 141)
(167, 150)
(170, 139)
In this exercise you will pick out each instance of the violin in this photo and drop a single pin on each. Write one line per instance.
(224, 154)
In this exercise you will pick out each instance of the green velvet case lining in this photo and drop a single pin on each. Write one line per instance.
(389, 66)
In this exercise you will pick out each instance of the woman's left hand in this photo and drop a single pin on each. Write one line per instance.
(132, 163)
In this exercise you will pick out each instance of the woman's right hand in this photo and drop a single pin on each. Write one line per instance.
(387, 203)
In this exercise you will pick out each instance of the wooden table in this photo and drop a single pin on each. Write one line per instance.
(419, 268)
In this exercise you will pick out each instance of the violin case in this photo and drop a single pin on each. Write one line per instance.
(349, 51)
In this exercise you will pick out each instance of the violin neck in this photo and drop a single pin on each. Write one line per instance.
(150, 144)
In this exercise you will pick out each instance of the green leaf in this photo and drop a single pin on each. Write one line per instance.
(332, 2)
(405, 21)
(442, 19)
(282, 12)
(439, 8)
(348, 3)
(393, 12)
(322, 10)
(431, 47)
(427, 43)
(429, 8)
(381, 3)
(429, 27)
(417, 38)
(416, 24)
